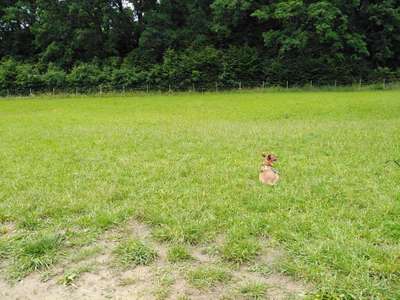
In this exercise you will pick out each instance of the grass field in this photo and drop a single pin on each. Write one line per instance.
(186, 166)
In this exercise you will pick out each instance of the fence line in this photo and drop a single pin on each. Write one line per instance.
(201, 87)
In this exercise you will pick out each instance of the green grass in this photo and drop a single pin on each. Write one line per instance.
(262, 269)
(164, 280)
(254, 290)
(35, 253)
(70, 276)
(204, 277)
(187, 165)
(240, 251)
(178, 253)
(84, 253)
(132, 252)
(127, 281)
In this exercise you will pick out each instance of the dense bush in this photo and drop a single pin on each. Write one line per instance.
(28, 76)
(8, 74)
(241, 64)
(128, 78)
(191, 67)
(199, 69)
(55, 77)
(85, 75)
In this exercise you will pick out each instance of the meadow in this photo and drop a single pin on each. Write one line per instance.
(186, 166)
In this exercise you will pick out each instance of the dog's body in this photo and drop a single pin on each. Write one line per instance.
(268, 175)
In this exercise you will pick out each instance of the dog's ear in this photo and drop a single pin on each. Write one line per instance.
(264, 155)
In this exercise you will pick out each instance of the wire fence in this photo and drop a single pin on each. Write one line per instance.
(201, 87)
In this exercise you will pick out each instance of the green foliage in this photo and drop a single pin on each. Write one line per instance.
(241, 64)
(186, 43)
(191, 67)
(128, 77)
(28, 76)
(8, 73)
(55, 77)
(85, 75)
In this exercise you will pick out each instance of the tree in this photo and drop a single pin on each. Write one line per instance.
(16, 21)
(244, 40)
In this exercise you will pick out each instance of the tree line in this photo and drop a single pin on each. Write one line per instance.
(184, 43)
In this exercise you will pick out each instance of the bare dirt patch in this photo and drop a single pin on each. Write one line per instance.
(96, 276)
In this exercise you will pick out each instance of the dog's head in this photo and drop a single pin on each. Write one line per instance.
(269, 159)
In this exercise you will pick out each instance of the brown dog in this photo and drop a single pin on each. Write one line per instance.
(268, 175)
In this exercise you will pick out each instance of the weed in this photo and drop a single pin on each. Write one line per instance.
(69, 277)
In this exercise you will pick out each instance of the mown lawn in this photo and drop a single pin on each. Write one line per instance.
(187, 165)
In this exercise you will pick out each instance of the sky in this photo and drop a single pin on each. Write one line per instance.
(127, 4)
